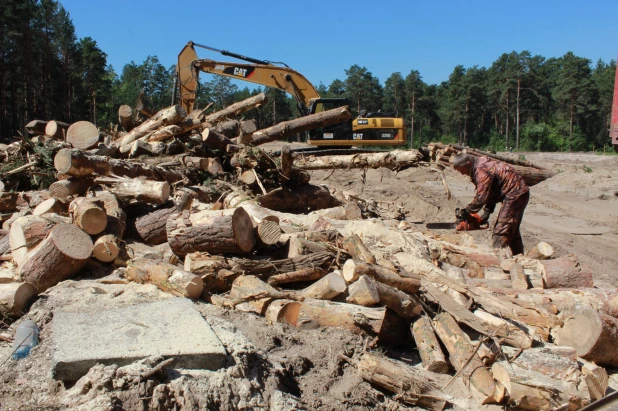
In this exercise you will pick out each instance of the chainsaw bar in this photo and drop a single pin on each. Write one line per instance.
(440, 226)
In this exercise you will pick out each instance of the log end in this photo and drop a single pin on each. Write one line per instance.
(71, 241)
(242, 227)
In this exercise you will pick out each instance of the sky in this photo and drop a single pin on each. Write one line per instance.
(321, 39)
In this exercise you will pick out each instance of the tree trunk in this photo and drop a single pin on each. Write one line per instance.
(236, 109)
(125, 117)
(299, 200)
(363, 291)
(216, 232)
(166, 277)
(137, 190)
(56, 130)
(299, 125)
(541, 251)
(27, 232)
(326, 288)
(566, 272)
(57, 258)
(393, 160)
(355, 246)
(88, 214)
(353, 270)
(465, 360)
(411, 385)
(428, 346)
(15, 298)
(77, 163)
(304, 274)
(83, 135)
(166, 116)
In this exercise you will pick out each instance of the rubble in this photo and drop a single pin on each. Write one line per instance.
(189, 205)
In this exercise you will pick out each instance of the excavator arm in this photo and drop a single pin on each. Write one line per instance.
(258, 71)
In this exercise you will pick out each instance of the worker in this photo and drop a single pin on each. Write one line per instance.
(362, 113)
(496, 182)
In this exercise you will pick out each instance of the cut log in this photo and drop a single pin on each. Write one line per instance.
(89, 215)
(326, 288)
(463, 357)
(169, 131)
(541, 251)
(406, 306)
(131, 190)
(353, 212)
(57, 258)
(83, 134)
(566, 272)
(166, 277)
(51, 205)
(393, 160)
(223, 231)
(411, 386)
(428, 346)
(353, 270)
(246, 129)
(593, 335)
(549, 363)
(299, 125)
(56, 129)
(299, 246)
(214, 270)
(268, 268)
(36, 127)
(26, 232)
(140, 148)
(299, 200)
(364, 292)
(64, 189)
(305, 274)
(15, 298)
(247, 288)
(519, 281)
(151, 228)
(215, 140)
(268, 233)
(5, 246)
(283, 311)
(381, 322)
(357, 249)
(228, 128)
(236, 109)
(106, 248)
(596, 379)
(166, 116)
(125, 117)
(77, 163)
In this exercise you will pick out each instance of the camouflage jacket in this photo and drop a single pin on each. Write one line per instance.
(495, 182)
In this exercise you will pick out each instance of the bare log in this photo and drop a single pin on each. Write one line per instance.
(236, 109)
(165, 276)
(125, 117)
(56, 129)
(305, 274)
(268, 232)
(394, 160)
(83, 134)
(140, 148)
(283, 311)
(51, 205)
(291, 127)
(57, 258)
(77, 163)
(428, 346)
(326, 288)
(353, 270)
(364, 292)
(15, 298)
(106, 248)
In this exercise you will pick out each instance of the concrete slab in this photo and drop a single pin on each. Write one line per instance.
(168, 328)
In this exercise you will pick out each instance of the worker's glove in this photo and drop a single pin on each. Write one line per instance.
(485, 217)
(464, 215)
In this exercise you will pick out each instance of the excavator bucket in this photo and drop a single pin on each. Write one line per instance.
(613, 131)
(186, 77)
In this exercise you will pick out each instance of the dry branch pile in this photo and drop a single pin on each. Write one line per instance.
(259, 238)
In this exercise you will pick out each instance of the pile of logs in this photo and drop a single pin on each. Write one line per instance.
(259, 238)
(533, 174)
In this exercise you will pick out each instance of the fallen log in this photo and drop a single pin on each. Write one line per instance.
(236, 109)
(299, 246)
(565, 272)
(429, 347)
(216, 232)
(248, 288)
(15, 298)
(77, 163)
(140, 148)
(326, 288)
(353, 270)
(519, 281)
(410, 385)
(164, 117)
(267, 233)
(151, 228)
(299, 200)
(166, 277)
(393, 160)
(465, 360)
(267, 268)
(57, 258)
(304, 274)
(83, 135)
(56, 129)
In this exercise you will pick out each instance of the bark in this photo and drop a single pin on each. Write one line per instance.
(89, 215)
(166, 277)
(357, 249)
(246, 129)
(304, 274)
(299, 200)
(137, 189)
(465, 360)
(26, 233)
(151, 228)
(140, 148)
(214, 270)
(428, 346)
(541, 251)
(353, 270)
(57, 258)
(166, 116)
(15, 298)
(83, 135)
(267, 268)
(411, 385)
(64, 189)
(299, 246)
(299, 125)
(566, 272)
(593, 335)
(77, 163)
(228, 128)
(125, 117)
(326, 288)
(215, 140)
(56, 129)
(223, 231)
(236, 109)
(393, 160)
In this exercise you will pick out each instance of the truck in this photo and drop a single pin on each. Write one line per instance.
(372, 129)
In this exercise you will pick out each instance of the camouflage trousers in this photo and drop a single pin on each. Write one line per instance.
(506, 231)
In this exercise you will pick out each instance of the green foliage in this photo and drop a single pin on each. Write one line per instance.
(587, 169)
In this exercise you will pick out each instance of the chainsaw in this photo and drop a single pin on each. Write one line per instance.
(463, 222)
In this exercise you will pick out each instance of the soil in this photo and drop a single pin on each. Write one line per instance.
(283, 368)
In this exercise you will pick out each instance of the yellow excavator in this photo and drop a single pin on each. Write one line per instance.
(369, 130)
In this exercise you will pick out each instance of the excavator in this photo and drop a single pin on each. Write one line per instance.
(373, 129)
